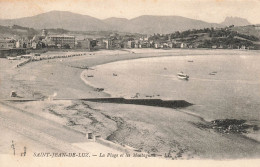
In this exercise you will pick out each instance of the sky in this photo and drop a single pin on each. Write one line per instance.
(214, 11)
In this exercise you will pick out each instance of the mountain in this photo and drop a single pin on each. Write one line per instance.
(116, 23)
(236, 21)
(59, 19)
(164, 24)
(146, 24)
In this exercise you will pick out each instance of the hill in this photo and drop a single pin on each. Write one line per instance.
(215, 38)
(18, 31)
(253, 30)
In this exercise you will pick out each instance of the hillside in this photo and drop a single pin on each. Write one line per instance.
(248, 30)
(216, 38)
(18, 31)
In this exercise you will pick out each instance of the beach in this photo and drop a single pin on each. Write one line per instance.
(59, 85)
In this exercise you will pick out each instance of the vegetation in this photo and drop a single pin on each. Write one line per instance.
(57, 31)
(214, 38)
(18, 31)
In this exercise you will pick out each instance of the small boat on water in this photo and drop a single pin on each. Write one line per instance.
(14, 58)
(213, 73)
(183, 76)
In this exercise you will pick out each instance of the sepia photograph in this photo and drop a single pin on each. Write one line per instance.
(129, 83)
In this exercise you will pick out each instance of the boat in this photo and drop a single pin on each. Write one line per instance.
(181, 75)
(14, 58)
(213, 73)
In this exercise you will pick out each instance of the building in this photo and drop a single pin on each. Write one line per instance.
(243, 47)
(44, 33)
(63, 40)
(7, 43)
(108, 43)
(184, 45)
(83, 44)
(18, 44)
(101, 43)
(130, 44)
(170, 45)
(34, 45)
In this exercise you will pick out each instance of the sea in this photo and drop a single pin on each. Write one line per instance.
(219, 86)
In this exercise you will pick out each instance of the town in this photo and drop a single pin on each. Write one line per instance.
(54, 40)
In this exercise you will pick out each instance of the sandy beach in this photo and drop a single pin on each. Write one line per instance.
(66, 79)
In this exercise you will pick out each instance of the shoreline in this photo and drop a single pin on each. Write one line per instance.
(250, 136)
(127, 124)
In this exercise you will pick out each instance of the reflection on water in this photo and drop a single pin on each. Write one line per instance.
(222, 86)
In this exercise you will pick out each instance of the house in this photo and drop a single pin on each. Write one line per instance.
(37, 45)
(183, 45)
(18, 44)
(130, 44)
(93, 44)
(165, 45)
(44, 33)
(101, 43)
(145, 44)
(108, 43)
(34, 45)
(230, 46)
(170, 45)
(243, 47)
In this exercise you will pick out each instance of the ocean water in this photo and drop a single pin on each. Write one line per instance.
(232, 91)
